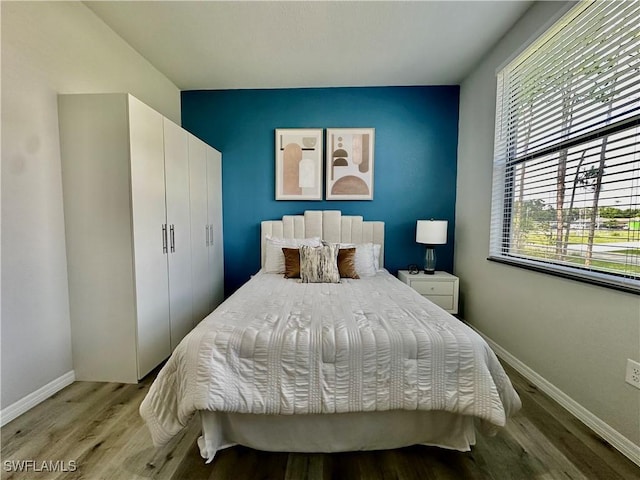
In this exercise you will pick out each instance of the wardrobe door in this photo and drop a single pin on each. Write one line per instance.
(176, 166)
(200, 231)
(214, 209)
(149, 239)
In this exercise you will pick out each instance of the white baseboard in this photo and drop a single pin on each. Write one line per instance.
(615, 438)
(27, 403)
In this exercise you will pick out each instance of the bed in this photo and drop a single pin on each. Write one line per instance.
(363, 364)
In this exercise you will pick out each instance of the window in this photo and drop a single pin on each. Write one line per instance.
(566, 181)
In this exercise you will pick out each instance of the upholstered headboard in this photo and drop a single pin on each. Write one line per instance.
(329, 225)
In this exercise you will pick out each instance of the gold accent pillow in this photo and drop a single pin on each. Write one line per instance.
(347, 263)
(291, 262)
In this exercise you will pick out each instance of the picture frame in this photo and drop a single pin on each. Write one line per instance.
(298, 156)
(349, 163)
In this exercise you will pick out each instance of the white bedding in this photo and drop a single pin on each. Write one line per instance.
(280, 347)
(339, 432)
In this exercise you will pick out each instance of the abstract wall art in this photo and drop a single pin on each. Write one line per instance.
(299, 164)
(350, 163)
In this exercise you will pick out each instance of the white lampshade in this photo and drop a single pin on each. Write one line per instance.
(431, 232)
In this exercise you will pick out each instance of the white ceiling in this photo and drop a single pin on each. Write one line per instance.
(281, 44)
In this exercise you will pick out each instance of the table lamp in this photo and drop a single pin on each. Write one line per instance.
(431, 233)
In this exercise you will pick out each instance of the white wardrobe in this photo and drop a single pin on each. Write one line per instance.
(139, 212)
(206, 237)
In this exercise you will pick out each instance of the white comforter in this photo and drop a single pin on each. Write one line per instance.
(281, 347)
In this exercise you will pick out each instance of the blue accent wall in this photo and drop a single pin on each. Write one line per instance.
(416, 141)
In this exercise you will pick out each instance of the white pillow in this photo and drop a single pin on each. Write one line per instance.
(365, 260)
(376, 255)
(366, 263)
(274, 258)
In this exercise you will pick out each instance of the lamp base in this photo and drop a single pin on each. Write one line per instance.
(429, 260)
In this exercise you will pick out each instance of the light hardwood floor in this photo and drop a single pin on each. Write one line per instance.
(95, 429)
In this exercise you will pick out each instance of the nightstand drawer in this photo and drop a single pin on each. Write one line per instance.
(444, 301)
(433, 288)
(441, 287)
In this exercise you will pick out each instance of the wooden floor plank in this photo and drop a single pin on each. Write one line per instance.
(596, 457)
(98, 426)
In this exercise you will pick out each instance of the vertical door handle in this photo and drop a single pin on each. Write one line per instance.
(164, 238)
(173, 238)
(206, 227)
(211, 235)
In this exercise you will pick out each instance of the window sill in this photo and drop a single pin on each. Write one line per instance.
(601, 280)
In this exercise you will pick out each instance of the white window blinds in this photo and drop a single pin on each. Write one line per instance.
(566, 186)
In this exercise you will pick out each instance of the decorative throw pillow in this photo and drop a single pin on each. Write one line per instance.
(291, 262)
(347, 263)
(319, 264)
(274, 258)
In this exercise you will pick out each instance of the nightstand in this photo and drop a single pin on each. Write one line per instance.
(441, 287)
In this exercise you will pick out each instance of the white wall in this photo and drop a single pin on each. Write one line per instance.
(574, 335)
(49, 48)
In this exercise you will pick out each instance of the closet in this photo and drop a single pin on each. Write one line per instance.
(129, 209)
(178, 230)
(206, 226)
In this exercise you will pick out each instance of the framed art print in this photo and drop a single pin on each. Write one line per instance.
(299, 164)
(349, 163)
